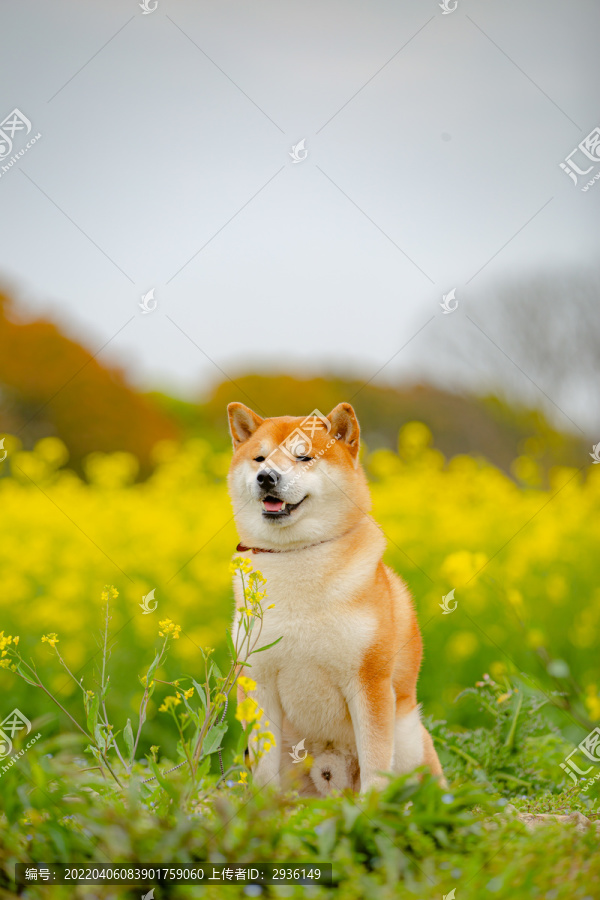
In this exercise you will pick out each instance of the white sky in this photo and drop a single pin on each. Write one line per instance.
(434, 144)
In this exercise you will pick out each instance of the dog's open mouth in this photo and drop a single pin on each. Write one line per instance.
(274, 508)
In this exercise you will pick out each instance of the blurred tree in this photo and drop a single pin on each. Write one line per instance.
(536, 342)
(484, 427)
(51, 385)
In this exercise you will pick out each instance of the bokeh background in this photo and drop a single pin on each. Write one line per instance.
(430, 166)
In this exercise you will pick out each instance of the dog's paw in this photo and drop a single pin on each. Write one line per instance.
(263, 780)
(266, 773)
(373, 783)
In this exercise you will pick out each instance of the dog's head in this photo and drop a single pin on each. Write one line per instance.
(295, 481)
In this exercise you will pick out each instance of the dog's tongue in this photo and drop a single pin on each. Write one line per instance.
(273, 505)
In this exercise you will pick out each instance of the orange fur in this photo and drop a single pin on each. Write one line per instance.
(344, 676)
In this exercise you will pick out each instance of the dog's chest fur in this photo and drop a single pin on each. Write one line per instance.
(325, 636)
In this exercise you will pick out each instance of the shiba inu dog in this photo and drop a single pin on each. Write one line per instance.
(343, 678)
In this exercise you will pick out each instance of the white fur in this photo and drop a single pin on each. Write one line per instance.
(334, 770)
(309, 683)
(322, 515)
(320, 651)
(408, 743)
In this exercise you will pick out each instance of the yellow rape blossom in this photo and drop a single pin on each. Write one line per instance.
(248, 710)
(592, 702)
(459, 518)
(51, 638)
(240, 564)
(187, 694)
(168, 627)
(169, 703)
(6, 641)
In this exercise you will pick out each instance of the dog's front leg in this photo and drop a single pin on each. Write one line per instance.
(266, 769)
(371, 707)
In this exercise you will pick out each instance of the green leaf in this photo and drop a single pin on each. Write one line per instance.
(200, 692)
(266, 647)
(22, 672)
(213, 739)
(194, 717)
(95, 752)
(350, 812)
(143, 711)
(203, 769)
(152, 669)
(92, 715)
(99, 737)
(510, 739)
(327, 838)
(230, 646)
(243, 741)
(128, 738)
(57, 839)
(164, 782)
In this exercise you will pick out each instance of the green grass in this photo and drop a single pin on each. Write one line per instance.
(414, 839)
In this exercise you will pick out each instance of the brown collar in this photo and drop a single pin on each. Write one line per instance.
(241, 548)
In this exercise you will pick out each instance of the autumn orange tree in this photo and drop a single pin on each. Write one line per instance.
(51, 385)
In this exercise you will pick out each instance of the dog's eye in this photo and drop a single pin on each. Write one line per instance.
(303, 458)
(259, 459)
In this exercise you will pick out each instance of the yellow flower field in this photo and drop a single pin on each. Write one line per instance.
(522, 562)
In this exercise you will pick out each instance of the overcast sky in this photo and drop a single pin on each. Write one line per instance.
(433, 146)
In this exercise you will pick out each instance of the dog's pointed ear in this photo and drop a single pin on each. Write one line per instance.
(243, 422)
(345, 426)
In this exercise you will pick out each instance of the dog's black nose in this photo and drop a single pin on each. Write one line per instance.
(267, 478)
